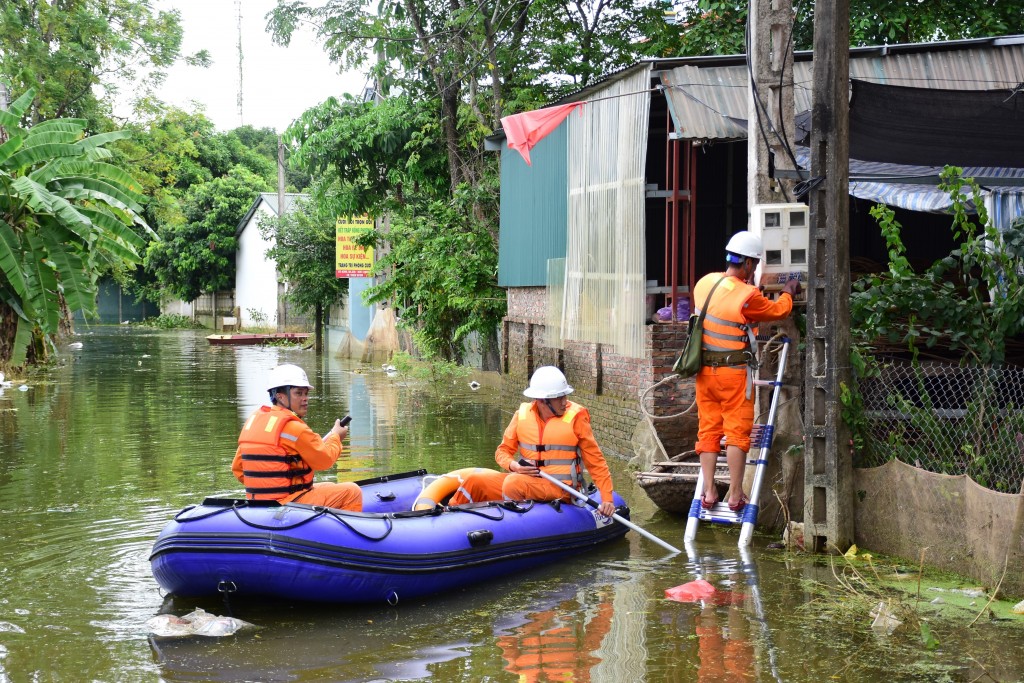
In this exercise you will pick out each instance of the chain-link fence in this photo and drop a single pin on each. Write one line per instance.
(946, 419)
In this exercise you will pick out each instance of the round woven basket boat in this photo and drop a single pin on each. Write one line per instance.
(669, 490)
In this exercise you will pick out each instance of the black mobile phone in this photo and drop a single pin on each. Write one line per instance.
(345, 420)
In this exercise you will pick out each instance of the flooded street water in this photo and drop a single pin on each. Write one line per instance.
(98, 454)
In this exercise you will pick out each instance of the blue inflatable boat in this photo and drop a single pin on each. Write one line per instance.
(388, 552)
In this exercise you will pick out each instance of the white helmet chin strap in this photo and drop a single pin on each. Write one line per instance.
(554, 412)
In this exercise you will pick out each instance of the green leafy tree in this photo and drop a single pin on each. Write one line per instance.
(198, 255)
(466, 57)
(442, 274)
(74, 52)
(66, 213)
(175, 154)
(418, 157)
(718, 26)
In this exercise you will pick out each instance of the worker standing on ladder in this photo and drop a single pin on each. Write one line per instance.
(725, 402)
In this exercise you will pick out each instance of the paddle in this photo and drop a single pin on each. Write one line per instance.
(618, 518)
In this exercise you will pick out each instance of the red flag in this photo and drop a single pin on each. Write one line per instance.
(525, 130)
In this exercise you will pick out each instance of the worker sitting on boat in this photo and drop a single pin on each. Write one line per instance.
(278, 452)
(550, 434)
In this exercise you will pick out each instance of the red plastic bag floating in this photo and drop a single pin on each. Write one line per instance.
(693, 591)
(702, 591)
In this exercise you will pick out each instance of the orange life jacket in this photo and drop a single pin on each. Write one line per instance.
(726, 329)
(269, 471)
(553, 446)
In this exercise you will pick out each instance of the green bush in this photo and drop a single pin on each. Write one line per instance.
(172, 321)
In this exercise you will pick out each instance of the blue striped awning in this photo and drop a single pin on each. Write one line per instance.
(894, 185)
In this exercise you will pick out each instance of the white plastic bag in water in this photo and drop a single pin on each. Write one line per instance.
(196, 623)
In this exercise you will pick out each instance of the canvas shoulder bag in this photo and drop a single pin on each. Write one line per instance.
(688, 362)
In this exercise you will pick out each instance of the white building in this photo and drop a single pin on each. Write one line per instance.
(257, 290)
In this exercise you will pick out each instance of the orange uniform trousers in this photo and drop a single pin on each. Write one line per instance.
(479, 486)
(341, 495)
(494, 485)
(723, 409)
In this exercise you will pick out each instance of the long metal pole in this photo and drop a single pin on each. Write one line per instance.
(616, 516)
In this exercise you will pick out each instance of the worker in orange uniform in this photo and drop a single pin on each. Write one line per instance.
(551, 434)
(725, 403)
(278, 452)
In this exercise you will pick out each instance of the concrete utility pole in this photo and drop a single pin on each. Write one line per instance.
(828, 469)
(770, 102)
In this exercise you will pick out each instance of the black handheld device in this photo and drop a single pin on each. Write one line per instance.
(345, 420)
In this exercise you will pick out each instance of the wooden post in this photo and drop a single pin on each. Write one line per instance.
(828, 470)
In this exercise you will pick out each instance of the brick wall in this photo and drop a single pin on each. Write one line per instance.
(606, 382)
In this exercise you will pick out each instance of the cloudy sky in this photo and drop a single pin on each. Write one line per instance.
(278, 83)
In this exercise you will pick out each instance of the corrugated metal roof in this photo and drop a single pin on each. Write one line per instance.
(710, 102)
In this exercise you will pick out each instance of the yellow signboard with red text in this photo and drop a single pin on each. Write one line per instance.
(352, 260)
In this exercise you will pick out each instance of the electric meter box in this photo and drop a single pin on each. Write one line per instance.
(784, 232)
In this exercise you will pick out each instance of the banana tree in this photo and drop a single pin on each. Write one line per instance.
(66, 214)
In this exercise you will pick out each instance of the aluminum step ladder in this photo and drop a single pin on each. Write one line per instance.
(760, 443)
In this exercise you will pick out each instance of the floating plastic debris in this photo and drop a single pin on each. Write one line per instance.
(23, 387)
(75, 345)
(474, 385)
(692, 591)
(1018, 608)
(196, 623)
(885, 621)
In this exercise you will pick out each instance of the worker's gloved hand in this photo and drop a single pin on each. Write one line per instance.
(792, 287)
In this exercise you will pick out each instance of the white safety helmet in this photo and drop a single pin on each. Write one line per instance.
(547, 382)
(745, 244)
(287, 375)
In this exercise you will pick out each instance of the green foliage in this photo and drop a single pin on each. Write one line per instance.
(379, 154)
(172, 321)
(418, 159)
(258, 317)
(71, 50)
(178, 158)
(442, 268)
(198, 255)
(65, 215)
(718, 26)
(438, 373)
(304, 249)
(972, 300)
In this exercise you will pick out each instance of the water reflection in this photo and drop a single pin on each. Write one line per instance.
(726, 648)
(101, 451)
(558, 640)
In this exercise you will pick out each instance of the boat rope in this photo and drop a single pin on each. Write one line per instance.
(478, 511)
(178, 517)
(388, 525)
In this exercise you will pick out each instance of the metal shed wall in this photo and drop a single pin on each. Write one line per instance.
(533, 212)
